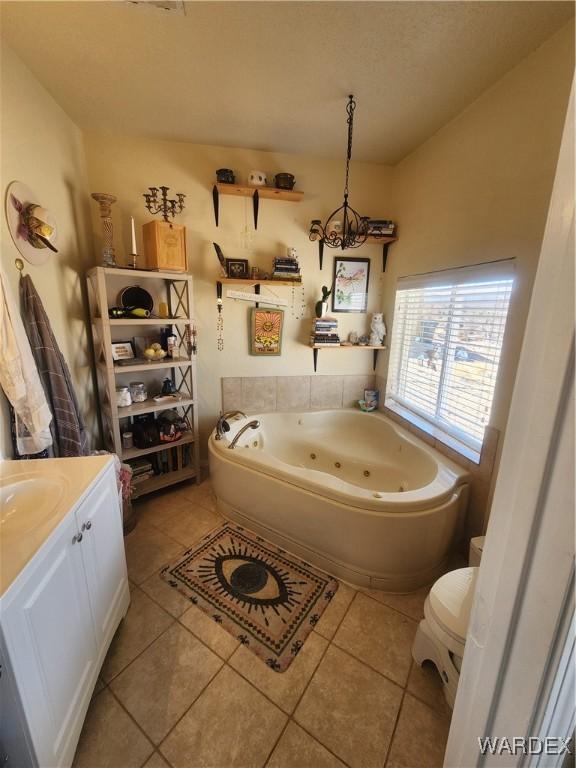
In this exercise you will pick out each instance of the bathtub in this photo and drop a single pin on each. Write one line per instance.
(351, 492)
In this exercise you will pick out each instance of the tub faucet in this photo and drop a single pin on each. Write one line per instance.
(222, 426)
(251, 425)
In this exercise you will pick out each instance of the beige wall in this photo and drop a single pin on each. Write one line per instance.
(479, 189)
(43, 148)
(127, 167)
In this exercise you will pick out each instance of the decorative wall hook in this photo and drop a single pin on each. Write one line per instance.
(32, 227)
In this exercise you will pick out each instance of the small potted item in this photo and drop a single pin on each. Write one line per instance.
(285, 181)
(321, 306)
(225, 176)
(257, 179)
(168, 387)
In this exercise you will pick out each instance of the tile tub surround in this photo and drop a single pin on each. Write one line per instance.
(180, 692)
(482, 475)
(264, 394)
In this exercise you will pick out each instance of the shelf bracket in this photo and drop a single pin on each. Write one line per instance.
(375, 358)
(216, 202)
(315, 356)
(321, 251)
(385, 247)
(255, 204)
(257, 290)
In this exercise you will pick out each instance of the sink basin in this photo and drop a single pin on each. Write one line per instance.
(27, 502)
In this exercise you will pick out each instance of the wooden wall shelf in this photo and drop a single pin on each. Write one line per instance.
(248, 281)
(256, 283)
(256, 193)
(385, 242)
(317, 347)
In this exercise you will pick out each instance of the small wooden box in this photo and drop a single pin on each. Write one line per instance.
(165, 246)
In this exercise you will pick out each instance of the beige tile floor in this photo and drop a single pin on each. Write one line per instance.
(176, 690)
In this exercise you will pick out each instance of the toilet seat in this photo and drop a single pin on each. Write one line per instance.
(450, 602)
(441, 634)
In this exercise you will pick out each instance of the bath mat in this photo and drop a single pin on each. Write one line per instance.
(265, 597)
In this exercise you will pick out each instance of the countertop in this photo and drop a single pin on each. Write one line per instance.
(48, 489)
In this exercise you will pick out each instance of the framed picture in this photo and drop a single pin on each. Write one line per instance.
(266, 332)
(351, 278)
(237, 268)
(122, 350)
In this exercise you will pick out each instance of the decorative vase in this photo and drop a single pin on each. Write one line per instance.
(105, 203)
(321, 308)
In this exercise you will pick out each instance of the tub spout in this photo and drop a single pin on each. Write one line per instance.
(222, 425)
(251, 425)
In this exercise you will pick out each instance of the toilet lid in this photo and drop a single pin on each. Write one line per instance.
(450, 601)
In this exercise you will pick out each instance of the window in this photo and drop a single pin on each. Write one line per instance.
(445, 352)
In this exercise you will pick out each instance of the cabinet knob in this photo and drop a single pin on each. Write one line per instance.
(78, 538)
(86, 526)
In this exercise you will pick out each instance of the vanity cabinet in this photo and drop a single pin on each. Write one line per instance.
(58, 619)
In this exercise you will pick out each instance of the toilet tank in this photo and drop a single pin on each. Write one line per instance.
(475, 552)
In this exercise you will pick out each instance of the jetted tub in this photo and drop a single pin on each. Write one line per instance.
(352, 492)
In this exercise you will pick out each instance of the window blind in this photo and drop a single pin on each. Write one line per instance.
(446, 343)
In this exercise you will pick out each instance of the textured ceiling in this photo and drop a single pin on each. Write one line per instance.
(275, 75)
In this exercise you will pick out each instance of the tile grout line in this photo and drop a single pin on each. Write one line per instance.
(201, 692)
(291, 717)
(391, 608)
(225, 663)
(394, 729)
(142, 731)
(107, 682)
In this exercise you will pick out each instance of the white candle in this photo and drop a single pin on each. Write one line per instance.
(133, 235)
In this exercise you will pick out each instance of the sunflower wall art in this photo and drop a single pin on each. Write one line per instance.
(266, 332)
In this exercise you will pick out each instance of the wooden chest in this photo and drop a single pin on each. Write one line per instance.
(165, 246)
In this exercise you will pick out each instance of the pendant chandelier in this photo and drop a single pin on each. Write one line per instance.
(344, 228)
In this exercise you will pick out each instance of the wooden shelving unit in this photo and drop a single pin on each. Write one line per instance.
(317, 347)
(182, 457)
(256, 193)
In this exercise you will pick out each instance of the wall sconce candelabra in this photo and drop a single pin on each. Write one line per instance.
(163, 205)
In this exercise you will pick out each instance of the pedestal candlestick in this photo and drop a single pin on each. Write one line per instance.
(105, 203)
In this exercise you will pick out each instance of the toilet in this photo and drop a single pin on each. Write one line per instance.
(441, 634)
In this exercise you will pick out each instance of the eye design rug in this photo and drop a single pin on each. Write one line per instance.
(265, 597)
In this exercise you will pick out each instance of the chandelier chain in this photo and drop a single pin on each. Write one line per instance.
(350, 107)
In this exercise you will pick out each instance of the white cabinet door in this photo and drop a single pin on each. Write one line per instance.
(47, 628)
(99, 520)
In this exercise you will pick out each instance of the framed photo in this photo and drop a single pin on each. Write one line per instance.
(122, 350)
(266, 332)
(351, 278)
(237, 268)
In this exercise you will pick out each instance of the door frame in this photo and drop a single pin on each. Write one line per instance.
(517, 677)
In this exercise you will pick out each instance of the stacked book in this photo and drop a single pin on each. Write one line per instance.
(141, 470)
(381, 227)
(324, 332)
(286, 268)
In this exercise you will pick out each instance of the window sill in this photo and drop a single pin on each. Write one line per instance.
(433, 431)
